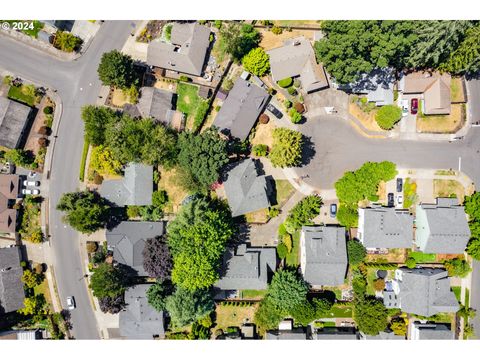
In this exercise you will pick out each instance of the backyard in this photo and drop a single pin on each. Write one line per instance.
(191, 104)
(176, 194)
(442, 124)
(227, 316)
(343, 310)
(421, 258)
(252, 294)
(271, 41)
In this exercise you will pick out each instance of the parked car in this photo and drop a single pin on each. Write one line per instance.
(32, 174)
(399, 184)
(404, 107)
(278, 114)
(400, 200)
(30, 191)
(333, 210)
(391, 200)
(31, 183)
(70, 302)
(414, 106)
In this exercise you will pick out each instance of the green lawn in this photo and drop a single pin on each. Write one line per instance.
(292, 258)
(191, 104)
(83, 160)
(252, 294)
(457, 291)
(339, 311)
(284, 190)
(467, 297)
(371, 276)
(15, 93)
(409, 193)
(421, 257)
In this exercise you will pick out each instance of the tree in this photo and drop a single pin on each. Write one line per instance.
(111, 305)
(322, 306)
(303, 213)
(379, 284)
(287, 148)
(472, 206)
(399, 326)
(85, 211)
(256, 62)
(201, 156)
(157, 261)
(35, 305)
(185, 306)
(287, 291)
(347, 215)
(107, 281)
(466, 58)
(304, 313)
(66, 41)
(157, 295)
(267, 315)
(356, 252)
(469, 331)
(387, 116)
(103, 162)
(473, 248)
(457, 267)
(31, 279)
(159, 198)
(282, 251)
(20, 157)
(116, 69)
(96, 120)
(371, 316)
(238, 39)
(466, 312)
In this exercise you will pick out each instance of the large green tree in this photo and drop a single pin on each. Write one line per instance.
(356, 252)
(457, 267)
(387, 116)
(466, 58)
(185, 306)
(287, 148)
(116, 69)
(85, 211)
(157, 296)
(287, 291)
(238, 39)
(97, 119)
(371, 316)
(201, 156)
(303, 213)
(107, 281)
(256, 61)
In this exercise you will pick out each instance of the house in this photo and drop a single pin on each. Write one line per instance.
(186, 52)
(241, 109)
(433, 88)
(296, 59)
(421, 291)
(139, 320)
(385, 228)
(22, 335)
(336, 333)
(378, 86)
(246, 190)
(11, 285)
(442, 228)
(419, 331)
(246, 268)
(158, 105)
(286, 331)
(127, 241)
(323, 255)
(135, 188)
(9, 189)
(382, 335)
(13, 121)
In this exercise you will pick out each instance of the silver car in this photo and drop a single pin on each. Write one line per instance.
(70, 302)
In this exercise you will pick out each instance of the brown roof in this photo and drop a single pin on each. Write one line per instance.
(8, 191)
(435, 88)
(9, 186)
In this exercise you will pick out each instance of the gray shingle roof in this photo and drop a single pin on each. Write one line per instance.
(341, 333)
(382, 335)
(127, 241)
(135, 188)
(246, 268)
(382, 227)
(297, 58)
(246, 191)
(11, 285)
(295, 334)
(139, 320)
(241, 109)
(377, 85)
(187, 51)
(425, 291)
(442, 228)
(432, 332)
(323, 255)
(13, 119)
(153, 103)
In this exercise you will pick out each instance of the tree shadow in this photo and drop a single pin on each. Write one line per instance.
(308, 151)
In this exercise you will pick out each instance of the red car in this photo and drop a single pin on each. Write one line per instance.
(414, 107)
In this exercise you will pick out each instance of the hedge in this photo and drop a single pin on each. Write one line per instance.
(285, 83)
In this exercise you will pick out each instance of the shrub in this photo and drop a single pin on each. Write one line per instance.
(260, 150)
(295, 116)
(285, 83)
(97, 179)
(387, 116)
(411, 263)
(296, 83)
(379, 284)
(217, 108)
(292, 91)
(273, 212)
(287, 104)
(356, 252)
(287, 240)
(299, 107)
(256, 61)
(43, 142)
(184, 78)
(38, 268)
(92, 246)
(47, 110)
(264, 119)
(282, 230)
(44, 130)
(159, 198)
(277, 30)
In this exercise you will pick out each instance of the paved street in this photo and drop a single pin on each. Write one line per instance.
(77, 84)
(473, 90)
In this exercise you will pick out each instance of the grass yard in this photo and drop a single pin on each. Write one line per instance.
(233, 316)
(467, 297)
(371, 276)
(293, 258)
(176, 194)
(293, 23)
(119, 98)
(45, 290)
(448, 188)
(17, 93)
(284, 191)
(343, 310)
(456, 90)
(410, 196)
(270, 40)
(442, 124)
(263, 134)
(457, 291)
(366, 118)
(83, 160)
(253, 294)
(257, 217)
(191, 104)
(422, 258)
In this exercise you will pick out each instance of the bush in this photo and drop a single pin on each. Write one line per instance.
(133, 211)
(282, 230)
(47, 110)
(217, 108)
(159, 198)
(282, 251)
(295, 116)
(457, 267)
(44, 130)
(92, 246)
(38, 268)
(260, 150)
(285, 83)
(184, 78)
(292, 91)
(264, 119)
(296, 83)
(43, 142)
(66, 41)
(277, 30)
(287, 241)
(411, 263)
(379, 284)
(273, 212)
(287, 104)
(299, 107)
(387, 116)
(257, 62)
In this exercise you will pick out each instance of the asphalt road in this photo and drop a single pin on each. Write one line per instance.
(473, 89)
(77, 84)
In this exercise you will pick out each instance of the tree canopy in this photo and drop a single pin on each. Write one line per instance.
(107, 281)
(238, 39)
(85, 211)
(96, 120)
(472, 208)
(466, 58)
(157, 296)
(303, 213)
(287, 148)
(116, 69)
(387, 116)
(457, 267)
(371, 316)
(356, 252)
(287, 291)
(66, 41)
(157, 261)
(256, 62)
(185, 306)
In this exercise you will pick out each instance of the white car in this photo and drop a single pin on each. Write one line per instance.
(404, 107)
(400, 200)
(31, 183)
(30, 191)
(70, 302)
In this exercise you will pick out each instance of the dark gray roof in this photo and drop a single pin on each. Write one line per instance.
(139, 320)
(127, 242)
(446, 228)
(377, 85)
(425, 291)
(241, 109)
(432, 332)
(11, 285)
(135, 188)
(340, 333)
(246, 191)
(153, 103)
(13, 119)
(295, 334)
(246, 268)
(382, 335)
(385, 227)
(187, 51)
(323, 255)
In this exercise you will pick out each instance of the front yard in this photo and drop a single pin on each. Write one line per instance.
(21, 94)
(449, 188)
(456, 91)
(284, 191)
(421, 258)
(365, 114)
(442, 124)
